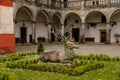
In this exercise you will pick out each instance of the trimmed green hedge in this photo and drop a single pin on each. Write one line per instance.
(97, 57)
(6, 75)
(21, 63)
(77, 70)
(86, 68)
(16, 56)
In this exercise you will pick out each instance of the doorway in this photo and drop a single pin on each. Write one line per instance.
(52, 37)
(23, 32)
(103, 36)
(75, 34)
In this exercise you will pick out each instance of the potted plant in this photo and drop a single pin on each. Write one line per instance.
(82, 39)
(117, 36)
(23, 41)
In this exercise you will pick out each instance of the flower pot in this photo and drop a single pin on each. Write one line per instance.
(117, 41)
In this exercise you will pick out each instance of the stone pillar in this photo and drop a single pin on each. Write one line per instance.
(33, 32)
(7, 36)
(82, 35)
(108, 33)
(62, 29)
(49, 32)
(83, 29)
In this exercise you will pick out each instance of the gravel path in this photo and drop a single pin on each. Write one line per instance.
(84, 49)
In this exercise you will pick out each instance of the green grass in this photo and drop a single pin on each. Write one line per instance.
(36, 75)
(111, 71)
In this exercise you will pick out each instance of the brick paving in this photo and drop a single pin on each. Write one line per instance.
(84, 49)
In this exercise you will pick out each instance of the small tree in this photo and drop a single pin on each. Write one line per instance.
(40, 48)
(117, 36)
(82, 39)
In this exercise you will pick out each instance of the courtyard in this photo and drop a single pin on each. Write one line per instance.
(84, 49)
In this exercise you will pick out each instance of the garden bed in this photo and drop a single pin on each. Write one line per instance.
(83, 65)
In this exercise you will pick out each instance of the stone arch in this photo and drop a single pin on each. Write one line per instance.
(72, 13)
(73, 25)
(94, 11)
(96, 26)
(56, 21)
(30, 11)
(23, 26)
(114, 19)
(44, 13)
(114, 11)
(41, 25)
(57, 16)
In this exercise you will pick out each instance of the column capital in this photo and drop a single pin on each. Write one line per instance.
(33, 22)
(61, 24)
(83, 23)
(49, 23)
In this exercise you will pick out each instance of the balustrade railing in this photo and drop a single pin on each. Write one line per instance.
(101, 3)
(76, 3)
(115, 3)
(72, 4)
(95, 3)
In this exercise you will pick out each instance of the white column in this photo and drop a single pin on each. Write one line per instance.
(83, 29)
(33, 32)
(108, 33)
(82, 35)
(49, 32)
(63, 28)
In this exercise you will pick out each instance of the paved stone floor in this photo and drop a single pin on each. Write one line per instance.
(84, 49)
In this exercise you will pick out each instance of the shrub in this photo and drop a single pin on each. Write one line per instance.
(6, 75)
(97, 57)
(40, 48)
(85, 68)
(21, 63)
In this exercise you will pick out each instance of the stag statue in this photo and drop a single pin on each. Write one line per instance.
(55, 56)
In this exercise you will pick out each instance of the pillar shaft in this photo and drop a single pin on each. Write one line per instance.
(63, 29)
(83, 29)
(49, 32)
(108, 33)
(33, 32)
(82, 35)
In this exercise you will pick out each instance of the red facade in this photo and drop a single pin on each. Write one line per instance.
(7, 43)
(6, 3)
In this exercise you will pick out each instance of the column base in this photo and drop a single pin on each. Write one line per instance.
(7, 43)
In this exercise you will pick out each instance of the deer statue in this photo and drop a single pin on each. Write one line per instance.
(55, 56)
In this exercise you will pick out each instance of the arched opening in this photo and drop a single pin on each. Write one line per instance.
(23, 28)
(96, 27)
(115, 22)
(56, 22)
(72, 24)
(41, 27)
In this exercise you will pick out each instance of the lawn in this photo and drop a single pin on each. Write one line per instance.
(111, 71)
